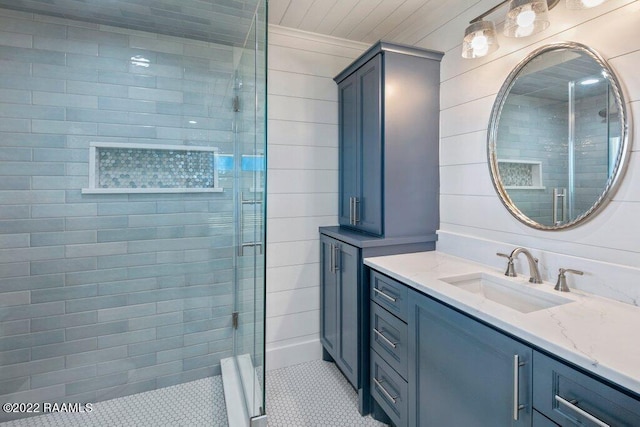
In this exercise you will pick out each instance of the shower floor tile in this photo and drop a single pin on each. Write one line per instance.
(197, 403)
(311, 394)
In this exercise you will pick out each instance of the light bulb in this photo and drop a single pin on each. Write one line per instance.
(592, 3)
(526, 17)
(479, 42)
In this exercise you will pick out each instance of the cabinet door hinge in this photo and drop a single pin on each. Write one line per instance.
(234, 319)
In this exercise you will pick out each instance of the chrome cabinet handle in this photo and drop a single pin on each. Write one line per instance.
(352, 210)
(356, 211)
(384, 390)
(580, 411)
(332, 259)
(335, 255)
(385, 339)
(517, 407)
(382, 294)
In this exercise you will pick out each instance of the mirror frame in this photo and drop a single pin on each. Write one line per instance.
(613, 182)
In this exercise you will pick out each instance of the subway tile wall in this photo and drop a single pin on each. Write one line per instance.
(108, 295)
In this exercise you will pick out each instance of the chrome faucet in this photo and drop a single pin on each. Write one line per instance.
(533, 264)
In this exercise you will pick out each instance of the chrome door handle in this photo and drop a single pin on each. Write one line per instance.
(384, 391)
(335, 256)
(351, 211)
(356, 211)
(517, 407)
(332, 258)
(385, 339)
(382, 294)
(575, 408)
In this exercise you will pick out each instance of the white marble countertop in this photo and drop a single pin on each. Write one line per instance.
(595, 333)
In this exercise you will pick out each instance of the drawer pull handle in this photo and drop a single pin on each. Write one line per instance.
(580, 411)
(385, 339)
(384, 390)
(382, 294)
(517, 407)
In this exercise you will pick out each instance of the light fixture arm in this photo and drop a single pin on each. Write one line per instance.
(550, 4)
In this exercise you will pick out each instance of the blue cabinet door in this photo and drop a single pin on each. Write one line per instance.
(339, 310)
(328, 296)
(348, 148)
(369, 204)
(347, 303)
(463, 373)
(360, 148)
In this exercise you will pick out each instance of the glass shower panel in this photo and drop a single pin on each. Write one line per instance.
(251, 137)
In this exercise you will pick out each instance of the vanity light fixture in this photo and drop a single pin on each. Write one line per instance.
(524, 18)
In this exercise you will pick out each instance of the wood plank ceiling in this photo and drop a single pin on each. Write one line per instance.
(400, 21)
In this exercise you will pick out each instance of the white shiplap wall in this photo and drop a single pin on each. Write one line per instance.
(302, 183)
(474, 224)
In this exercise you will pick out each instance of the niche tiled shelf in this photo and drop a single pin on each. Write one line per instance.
(520, 174)
(116, 168)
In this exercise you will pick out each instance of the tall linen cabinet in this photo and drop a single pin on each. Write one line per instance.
(388, 190)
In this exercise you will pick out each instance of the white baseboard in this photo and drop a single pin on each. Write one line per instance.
(293, 354)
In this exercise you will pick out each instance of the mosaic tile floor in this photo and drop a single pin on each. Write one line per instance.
(312, 394)
(187, 404)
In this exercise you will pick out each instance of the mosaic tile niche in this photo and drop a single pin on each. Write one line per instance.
(515, 174)
(142, 168)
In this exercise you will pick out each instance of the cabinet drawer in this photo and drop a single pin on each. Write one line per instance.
(390, 390)
(389, 294)
(389, 338)
(570, 397)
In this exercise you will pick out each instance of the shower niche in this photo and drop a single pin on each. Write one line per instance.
(152, 168)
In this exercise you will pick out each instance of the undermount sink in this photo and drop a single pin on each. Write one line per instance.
(507, 292)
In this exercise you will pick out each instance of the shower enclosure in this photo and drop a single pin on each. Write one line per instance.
(132, 202)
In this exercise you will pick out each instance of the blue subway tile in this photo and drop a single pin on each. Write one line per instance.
(126, 364)
(31, 368)
(64, 127)
(95, 303)
(62, 376)
(63, 321)
(14, 183)
(140, 336)
(95, 356)
(126, 312)
(63, 349)
(62, 238)
(31, 340)
(62, 266)
(68, 46)
(31, 311)
(96, 383)
(63, 294)
(32, 55)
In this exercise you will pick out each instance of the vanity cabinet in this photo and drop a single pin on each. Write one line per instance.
(433, 365)
(388, 101)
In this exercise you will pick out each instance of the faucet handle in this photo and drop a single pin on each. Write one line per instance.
(511, 271)
(561, 284)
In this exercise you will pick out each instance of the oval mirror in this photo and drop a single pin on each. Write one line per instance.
(558, 137)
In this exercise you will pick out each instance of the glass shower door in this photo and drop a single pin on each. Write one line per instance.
(250, 107)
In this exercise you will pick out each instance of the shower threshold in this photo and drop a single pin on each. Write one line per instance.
(239, 379)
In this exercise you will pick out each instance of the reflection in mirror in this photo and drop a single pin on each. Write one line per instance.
(557, 136)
